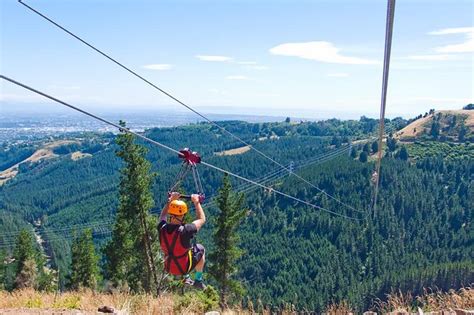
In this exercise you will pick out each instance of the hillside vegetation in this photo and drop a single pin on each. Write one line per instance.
(444, 125)
(420, 237)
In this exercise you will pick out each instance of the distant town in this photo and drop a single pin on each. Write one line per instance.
(17, 128)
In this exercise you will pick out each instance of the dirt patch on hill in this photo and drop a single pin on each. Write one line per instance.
(421, 126)
(415, 128)
(79, 155)
(46, 152)
(235, 151)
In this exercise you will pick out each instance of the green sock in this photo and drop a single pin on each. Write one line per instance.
(198, 276)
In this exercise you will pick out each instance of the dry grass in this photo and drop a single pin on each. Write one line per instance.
(235, 151)
(342, 308)
(421, 125)
(79, 155)
(41, 154)
(430, 300)
(86, 301)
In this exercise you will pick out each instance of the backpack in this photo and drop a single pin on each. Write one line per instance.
(178, 259)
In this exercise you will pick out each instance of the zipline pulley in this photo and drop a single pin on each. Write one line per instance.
(190, 161)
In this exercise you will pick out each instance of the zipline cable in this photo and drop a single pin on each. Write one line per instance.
(219, 169)
(383, 102)
(121, 65)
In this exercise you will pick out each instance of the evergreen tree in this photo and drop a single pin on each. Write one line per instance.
(353, 153)
(226, 240)
(26, 268)
(363, 157)
(462, 133)
(391, 144)
(403, 154)
(129, 259)
(84, 266)
(375, 147)
(27, 277)
(366, 148)
(435, 129)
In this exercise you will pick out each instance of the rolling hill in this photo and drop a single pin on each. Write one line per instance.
(443, 125)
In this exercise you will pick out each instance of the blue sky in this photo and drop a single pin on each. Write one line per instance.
(314, 59)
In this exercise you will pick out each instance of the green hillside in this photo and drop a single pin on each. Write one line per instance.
(421, 236)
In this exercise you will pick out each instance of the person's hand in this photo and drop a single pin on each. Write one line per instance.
(195, 198)
(174, 196)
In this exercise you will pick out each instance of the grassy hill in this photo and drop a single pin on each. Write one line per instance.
(444, 125)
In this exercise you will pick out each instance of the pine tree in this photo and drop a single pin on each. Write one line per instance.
(366, 148)
(26, 268)
(226, 239)
(353, 153)
(391, 144)
(375, 147)
(84, 266)
(403, 154)
(129, 258)
(363, 157)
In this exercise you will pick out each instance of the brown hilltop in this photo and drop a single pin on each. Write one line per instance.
(422, 126)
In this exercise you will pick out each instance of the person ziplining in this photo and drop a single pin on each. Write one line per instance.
(182, 257)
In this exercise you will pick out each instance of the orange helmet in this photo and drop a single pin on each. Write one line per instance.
(177, 207)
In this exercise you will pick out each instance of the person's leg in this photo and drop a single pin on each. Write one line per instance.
(199, 257)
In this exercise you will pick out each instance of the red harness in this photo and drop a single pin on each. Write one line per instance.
(178, 259)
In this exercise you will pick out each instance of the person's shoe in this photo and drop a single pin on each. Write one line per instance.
(188, 281)
(199, 285)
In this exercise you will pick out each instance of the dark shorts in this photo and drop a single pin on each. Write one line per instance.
(198, 252)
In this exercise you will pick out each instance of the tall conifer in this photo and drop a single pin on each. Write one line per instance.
(129, 254)
(84, 267)
(226, 240)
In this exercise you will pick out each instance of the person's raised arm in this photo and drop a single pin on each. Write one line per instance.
(164, 212)
(200, 215)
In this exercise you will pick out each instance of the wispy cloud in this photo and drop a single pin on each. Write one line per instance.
(237, 77)
(214, 58)
(338, 75)
(464, 47)
(247, 62)
(158, 66)
(438, 57)
(320, 51)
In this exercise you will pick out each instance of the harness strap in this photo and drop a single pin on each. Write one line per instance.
(170, 248)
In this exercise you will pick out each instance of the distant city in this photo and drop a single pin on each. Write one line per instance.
(25, 127)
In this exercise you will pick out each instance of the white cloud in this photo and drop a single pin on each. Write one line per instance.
(237, 77)
(465, 47)
(247, 62)
(159, 66)
(319, 51)
(454, 30)
(438, 57)
(338, 75)
(214, 58)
